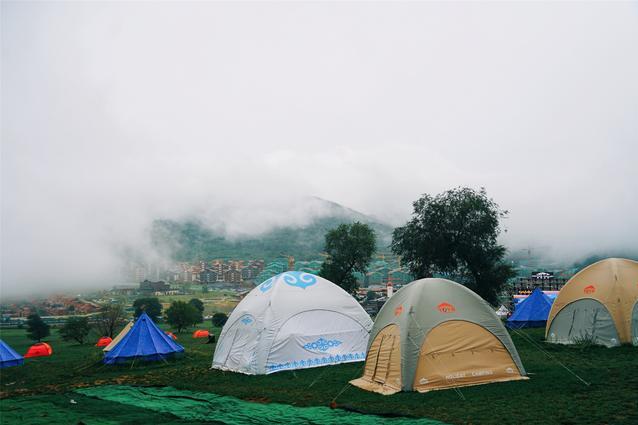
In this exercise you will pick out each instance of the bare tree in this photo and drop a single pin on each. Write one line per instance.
(110, 319)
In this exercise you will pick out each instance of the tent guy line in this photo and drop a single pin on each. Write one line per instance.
(552, 357)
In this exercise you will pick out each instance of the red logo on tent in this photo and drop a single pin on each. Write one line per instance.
(589, 289)
(446, 308)
(398, 310)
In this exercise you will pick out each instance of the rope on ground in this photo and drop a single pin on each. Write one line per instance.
(345, 387)
(542, 350)
(86, 366)
(317, 378)
(101, 367)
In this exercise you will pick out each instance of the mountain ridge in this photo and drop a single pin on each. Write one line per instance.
(191, 239)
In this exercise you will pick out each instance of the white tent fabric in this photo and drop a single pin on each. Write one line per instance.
(502, 311)
(294, 320)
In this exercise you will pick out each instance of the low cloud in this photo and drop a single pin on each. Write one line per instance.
(116, 114)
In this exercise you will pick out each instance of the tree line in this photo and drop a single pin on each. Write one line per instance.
(452, 234)
(180, 315)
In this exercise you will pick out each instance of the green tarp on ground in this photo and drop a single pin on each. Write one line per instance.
(199, 406)
(73, 408)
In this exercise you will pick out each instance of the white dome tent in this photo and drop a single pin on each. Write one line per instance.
(294, 320)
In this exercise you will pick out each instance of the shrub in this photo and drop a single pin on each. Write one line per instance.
(219, 319)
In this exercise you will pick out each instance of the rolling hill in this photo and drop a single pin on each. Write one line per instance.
(192, 239)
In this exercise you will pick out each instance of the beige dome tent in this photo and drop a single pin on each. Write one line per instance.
(598, 304)
(435, 334)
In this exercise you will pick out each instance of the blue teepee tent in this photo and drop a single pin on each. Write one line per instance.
(145, 341)
(8, 357)
(532, 312)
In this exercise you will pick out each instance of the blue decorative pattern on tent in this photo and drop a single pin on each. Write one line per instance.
(246, 320)
(317, 361)
(322, 344)
(265, 286)
(294, 278)
(8, 356)
(299, 279)
(145, 341)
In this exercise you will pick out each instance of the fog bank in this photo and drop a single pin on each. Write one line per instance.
(115, 114)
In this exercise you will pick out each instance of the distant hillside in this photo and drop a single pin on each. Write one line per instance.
(191, 240)
(534, 259)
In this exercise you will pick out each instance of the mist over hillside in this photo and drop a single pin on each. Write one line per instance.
(145, 131)
(303, 237)
(298, 228)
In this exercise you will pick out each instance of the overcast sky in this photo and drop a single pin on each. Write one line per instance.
(117, 113)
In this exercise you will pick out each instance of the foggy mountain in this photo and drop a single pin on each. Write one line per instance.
(297, 227)
(193, 239)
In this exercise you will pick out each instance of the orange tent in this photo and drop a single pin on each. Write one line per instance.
(104, 341)
(39, 350)
(171, 334)
(200, 333)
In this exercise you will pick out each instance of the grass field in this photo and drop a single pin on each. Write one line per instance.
(214, 301)
(552, 395)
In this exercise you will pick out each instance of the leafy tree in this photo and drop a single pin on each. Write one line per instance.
(219, 319)
(181, 315)
(110, 319)
(148, 305)
(456, 233)
(199, 305)
(349, 248)
(76, 328)
(36, 328)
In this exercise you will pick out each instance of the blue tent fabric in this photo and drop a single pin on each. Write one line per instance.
(145, 341)
(532, 312)
(8, 356)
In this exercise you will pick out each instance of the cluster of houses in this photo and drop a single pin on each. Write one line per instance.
(384, 269)
(55, 305)
(204, 272)
(234, 271)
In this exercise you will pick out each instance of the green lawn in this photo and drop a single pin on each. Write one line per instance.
(552, 395)
(214, 301)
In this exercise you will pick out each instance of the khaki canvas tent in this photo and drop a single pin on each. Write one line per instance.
(598, 304)
(435, 334)
(119, 337)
